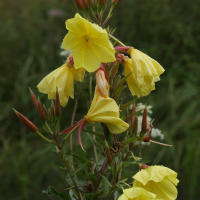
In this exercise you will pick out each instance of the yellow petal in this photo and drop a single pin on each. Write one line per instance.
(62, 78)
(145, 72)
(105, 110)
(89, 42)
(78, 74)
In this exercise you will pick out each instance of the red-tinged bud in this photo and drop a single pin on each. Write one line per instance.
(133, 117)
(109, 156)
(27, 122)
(41, 112)
(70, 62)
(143, 166)
(123, 49)
(90, 2)
(79, 4)
(147, 136)
(102, 2)
(114, 2)
(135, 126)
(144, 121)
(35, 101)
(57, 104)
(85, 4)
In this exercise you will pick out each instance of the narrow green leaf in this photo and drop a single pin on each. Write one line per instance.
(122, 81)
(82, 160)
(58, 166)
(71, 194)
(95, 143)
(128, 104)
(105, 179)
(118, 92)
(53, 191)
(95, 133)
(128, 141)
(89, 176)
(91, 196)
(128, 117)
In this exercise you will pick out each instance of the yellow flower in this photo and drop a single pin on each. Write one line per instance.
(145, 72)
(89, 42)
(105, 110)
(158, 180)
(137, 193)
(62, 78)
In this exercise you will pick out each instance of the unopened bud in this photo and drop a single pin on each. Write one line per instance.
(143, 166)
(102, 2)
(90, 2)
(27, 122)
(133, 117)
(41, 112)
(147, 136)
(70, 61)
(123, 49)
(114, 2)
(35, 101)
(79, 4)
(57, 104)
(85, 4)
(135, 126)
(109, 156)
(144, 121)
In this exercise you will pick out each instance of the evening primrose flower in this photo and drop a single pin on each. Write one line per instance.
(144, 70)
(103, 110)
(62, 78)
(159, 180)
(89, 42)
(137, 193)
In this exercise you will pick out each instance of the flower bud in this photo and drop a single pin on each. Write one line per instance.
(109, 156)
(144, 121)
(135, 126)
(114, 2)
(123, 49)
(70, 61)
(85, 4)
(27, 122)
(41, 112)
(90, 2)
(147, 136)
(133, 117)
(102, 2)
(35, 101)
(79, 4)
(57, 104)
(143, 166)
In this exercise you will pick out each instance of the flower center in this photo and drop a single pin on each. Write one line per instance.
(86, 38)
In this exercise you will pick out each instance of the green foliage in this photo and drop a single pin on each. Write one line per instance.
(30, 37)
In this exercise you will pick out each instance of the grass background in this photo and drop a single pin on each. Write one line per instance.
(30, 36)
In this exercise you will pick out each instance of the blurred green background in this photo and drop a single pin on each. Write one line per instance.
(30, 36)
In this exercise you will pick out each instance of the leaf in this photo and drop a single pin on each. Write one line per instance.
(80, 168)
(128, 117)
(71, 194)
(128, 175)
(69, 180)
(118, 92)
(52, 190)
(58, 166)
(128, 104)
(106, 180)
(91, 196)
(82, 160)
(89, 176)
(128, 141)
(122, 81)
(95, 143)
(95, 133)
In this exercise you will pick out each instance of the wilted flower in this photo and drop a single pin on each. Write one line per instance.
(89, 42)
(145, 72)
(62, 78)
(159, 180)
(136, 193)
(102, 85)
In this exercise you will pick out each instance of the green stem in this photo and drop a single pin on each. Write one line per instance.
(108, 195)
(67, 136)
(109, 15)
(48, 127)
(42, 136)
(135, 158)
(114, 38)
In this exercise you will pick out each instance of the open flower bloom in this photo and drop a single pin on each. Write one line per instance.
(89, 42)
(103, 110)
(145, 72)
(137, 193)
(62, 78)
(106, 110)
(158, 180)
(102, 85)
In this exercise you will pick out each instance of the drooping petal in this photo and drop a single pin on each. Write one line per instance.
(78, 74)
(62, 78)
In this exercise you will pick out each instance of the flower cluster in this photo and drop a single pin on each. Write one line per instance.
(94, 49)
